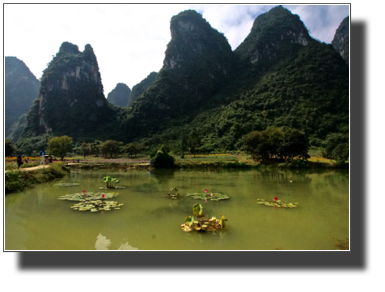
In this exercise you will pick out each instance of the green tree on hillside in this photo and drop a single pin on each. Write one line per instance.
(95, 148)
(110, 147)
(131, 149)
(183, 146)
(194, 141)
(86, 149)
(256, 144)
(9, 148)
(60, 146)
(337, 147)
(294, 143)
(275, 142)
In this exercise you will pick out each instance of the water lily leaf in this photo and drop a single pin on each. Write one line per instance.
(198, 210)
(189, 220)
(186, 228)
(222, 221)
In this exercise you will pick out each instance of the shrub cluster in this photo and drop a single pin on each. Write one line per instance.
(162, 159)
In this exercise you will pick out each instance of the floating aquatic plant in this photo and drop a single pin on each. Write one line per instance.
(277, 203)
(206, 196)
(173, 194)
(198, 210)
(67, 184)
(189, 220)
(84, 196)
(202, 224)
(110, 182)
(222, 221)
(95, 206)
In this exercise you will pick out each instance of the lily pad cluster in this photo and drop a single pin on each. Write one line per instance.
(95, 206)
(87, 196)
(173, 194)
(203, 224)
(208, 196)
(276, 203)
(67, 184)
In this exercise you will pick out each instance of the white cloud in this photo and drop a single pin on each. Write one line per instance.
(130, 40)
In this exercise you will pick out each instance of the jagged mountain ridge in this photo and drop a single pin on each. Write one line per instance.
(304, 86)
(198, 62)
(21, 88)
(141, 87)
(120, 95)
(341, 39)
(71, 99)
(225, 94)
(273, 35)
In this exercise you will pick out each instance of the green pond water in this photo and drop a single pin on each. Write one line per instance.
(37, 220)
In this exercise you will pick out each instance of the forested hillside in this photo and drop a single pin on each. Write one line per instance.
(279, 76)
(21, 88)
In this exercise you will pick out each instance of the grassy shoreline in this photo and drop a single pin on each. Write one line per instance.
(17, 180)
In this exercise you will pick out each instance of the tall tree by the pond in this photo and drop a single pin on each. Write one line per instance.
(60, 146)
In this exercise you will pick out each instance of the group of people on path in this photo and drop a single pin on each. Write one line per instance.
(45, 159)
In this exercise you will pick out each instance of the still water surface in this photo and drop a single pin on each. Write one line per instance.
(37, 220)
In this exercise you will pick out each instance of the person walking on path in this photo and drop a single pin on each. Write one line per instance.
(19, 161)
(42, 154)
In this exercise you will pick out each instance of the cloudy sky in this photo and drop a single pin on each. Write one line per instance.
(129, 40)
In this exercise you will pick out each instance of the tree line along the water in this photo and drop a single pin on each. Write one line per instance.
(283, 143)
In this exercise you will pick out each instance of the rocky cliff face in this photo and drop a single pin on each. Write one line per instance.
(21, 88)
(119, 95)
(198, 62)
(71, 99)
(141, 87)
(275, 35)
(341, 39)
(17, 128)
(194, 43)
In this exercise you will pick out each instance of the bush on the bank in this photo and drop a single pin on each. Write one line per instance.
(14, 181)
(58, 169)
(162, 159)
